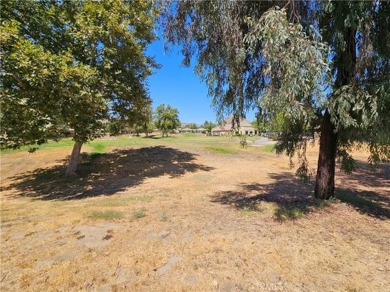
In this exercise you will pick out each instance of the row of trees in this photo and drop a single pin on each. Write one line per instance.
(165, 119)
(206, 125)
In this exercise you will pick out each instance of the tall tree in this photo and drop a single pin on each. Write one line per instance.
(72, 63)
(192, 126)
(208, 126)
(314, 63)
(144, 120)
(166, 119)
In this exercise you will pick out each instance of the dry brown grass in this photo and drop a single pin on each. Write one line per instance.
(190, 220)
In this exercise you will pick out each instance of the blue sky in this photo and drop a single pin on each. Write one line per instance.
(179, 87)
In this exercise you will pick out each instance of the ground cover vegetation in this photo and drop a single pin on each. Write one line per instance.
(187, 212)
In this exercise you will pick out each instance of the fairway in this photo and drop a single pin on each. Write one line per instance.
(188, 213)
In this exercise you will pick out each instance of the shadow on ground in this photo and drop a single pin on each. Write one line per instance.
(292, 199)
(367, 202)
(106, 174)
(156, 137)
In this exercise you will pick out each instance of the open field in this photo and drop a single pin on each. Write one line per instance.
(188, 213)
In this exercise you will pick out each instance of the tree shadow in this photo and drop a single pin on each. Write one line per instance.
(157, 137)
(154, 137)
(105, 174)
(292, 198)
(366, 202)
(370, 175)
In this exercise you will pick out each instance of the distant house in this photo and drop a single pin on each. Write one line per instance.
(221, 131)
(201, 130)
(186, 130)
(191, 128)
(226, 128)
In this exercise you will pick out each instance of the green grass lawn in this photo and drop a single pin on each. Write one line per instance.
(268, 148)
(65, 142)
(223, 150)
(216, 144)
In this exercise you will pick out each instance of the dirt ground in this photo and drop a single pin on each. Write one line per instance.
(167, 218)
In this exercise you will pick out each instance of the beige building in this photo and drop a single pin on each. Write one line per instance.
(226, 128)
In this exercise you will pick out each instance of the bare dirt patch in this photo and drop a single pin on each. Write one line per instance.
(210, 222)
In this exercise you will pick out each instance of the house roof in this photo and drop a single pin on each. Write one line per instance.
(218, 129)
(227, 125)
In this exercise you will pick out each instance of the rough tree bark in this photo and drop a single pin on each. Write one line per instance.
(74, 159)
(324, 188)
(346, 63)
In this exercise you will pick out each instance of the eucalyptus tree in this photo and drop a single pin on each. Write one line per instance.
(73, 63)
(318, 64)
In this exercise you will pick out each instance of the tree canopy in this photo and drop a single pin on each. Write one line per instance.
(320, 65)
(166, 119)
(72, 63)
(209, 126)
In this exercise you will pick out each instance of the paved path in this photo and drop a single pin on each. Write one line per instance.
(262, 141)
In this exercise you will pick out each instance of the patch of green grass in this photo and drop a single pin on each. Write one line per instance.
(250, 210)
(189, 135)
(110, 203)
(283, 214)
(138, 214)
(268, 148)
(222, 150)
(120, 202)
(224, 145)
(99, 147)
(106, 215)
(66, 142)
(322, 204)
(252, 138)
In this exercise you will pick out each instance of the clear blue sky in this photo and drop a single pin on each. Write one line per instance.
(179, 87)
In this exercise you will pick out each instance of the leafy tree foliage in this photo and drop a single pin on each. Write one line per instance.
(166, 119)
(147, 128)
(209, 126)
(144, 123)
(192, 126)
(320, 65)
(213, 32)
(72, 63)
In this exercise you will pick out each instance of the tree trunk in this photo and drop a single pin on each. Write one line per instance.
(146, 130)
(74, 159)
(345, 62)
(324, 188)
